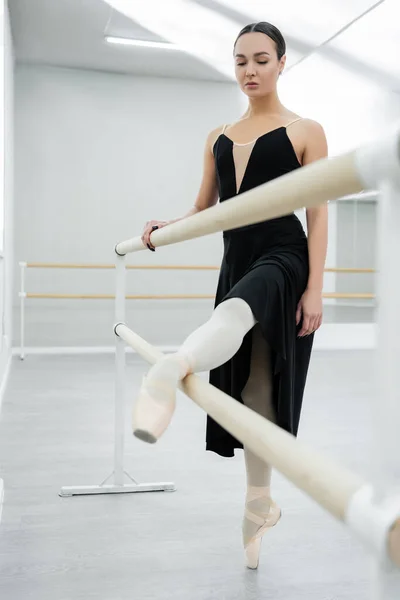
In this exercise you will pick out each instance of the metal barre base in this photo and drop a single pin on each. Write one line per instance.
(116, 488)
(128, 488)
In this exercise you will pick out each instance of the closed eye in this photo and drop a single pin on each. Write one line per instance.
(259, 62)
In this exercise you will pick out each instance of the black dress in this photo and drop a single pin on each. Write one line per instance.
(265, 264)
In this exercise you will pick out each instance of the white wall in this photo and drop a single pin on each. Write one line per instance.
(6, 263)
(99, 154)
(96, 156)
(352, 109)
(357, 246)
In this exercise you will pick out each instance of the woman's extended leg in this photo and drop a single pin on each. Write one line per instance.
(208, 347)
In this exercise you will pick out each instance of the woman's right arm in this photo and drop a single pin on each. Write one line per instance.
(207, 196)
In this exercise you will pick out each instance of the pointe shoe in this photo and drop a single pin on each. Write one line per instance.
(253, 547)
(151, 417)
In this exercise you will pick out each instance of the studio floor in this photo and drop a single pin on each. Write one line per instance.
(56, 429)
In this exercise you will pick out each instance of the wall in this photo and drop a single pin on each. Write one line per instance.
(357, 247)
(353, 110)
(99, 154)
(96, 156)
(6, 262)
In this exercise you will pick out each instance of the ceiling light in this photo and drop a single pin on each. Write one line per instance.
(143, 43)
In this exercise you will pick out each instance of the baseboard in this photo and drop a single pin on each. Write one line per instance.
(331, 336)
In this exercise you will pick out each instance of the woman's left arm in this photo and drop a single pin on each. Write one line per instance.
(310, 305)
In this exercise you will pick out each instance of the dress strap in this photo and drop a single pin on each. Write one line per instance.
(223, 130)
(294, 121)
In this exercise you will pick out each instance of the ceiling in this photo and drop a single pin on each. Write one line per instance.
(359, 35)
(70, 33)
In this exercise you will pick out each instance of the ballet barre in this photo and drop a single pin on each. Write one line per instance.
(44, 265)
(312, 185)
(369, 509)
(24, 295)
(342, 493)
(349, 295)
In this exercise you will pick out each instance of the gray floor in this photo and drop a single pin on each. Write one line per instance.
(56, 429)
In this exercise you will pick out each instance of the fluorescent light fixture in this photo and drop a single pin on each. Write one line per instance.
(143, 43)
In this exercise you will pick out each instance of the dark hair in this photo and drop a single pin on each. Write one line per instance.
(271, 31)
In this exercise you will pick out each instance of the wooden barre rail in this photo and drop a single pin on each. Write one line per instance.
(37, 265)
(343, 295)
(54, 296)
(332, 485)
(129, 297)
(100, 266)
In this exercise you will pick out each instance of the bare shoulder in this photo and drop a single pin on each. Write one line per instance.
(305, 129)
(312, 128)
(213, 136)
(315, 143)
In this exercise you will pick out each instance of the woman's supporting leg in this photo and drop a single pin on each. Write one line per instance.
(208, 347)
(260, 511)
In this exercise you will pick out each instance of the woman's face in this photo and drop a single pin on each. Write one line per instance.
(257, 66)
